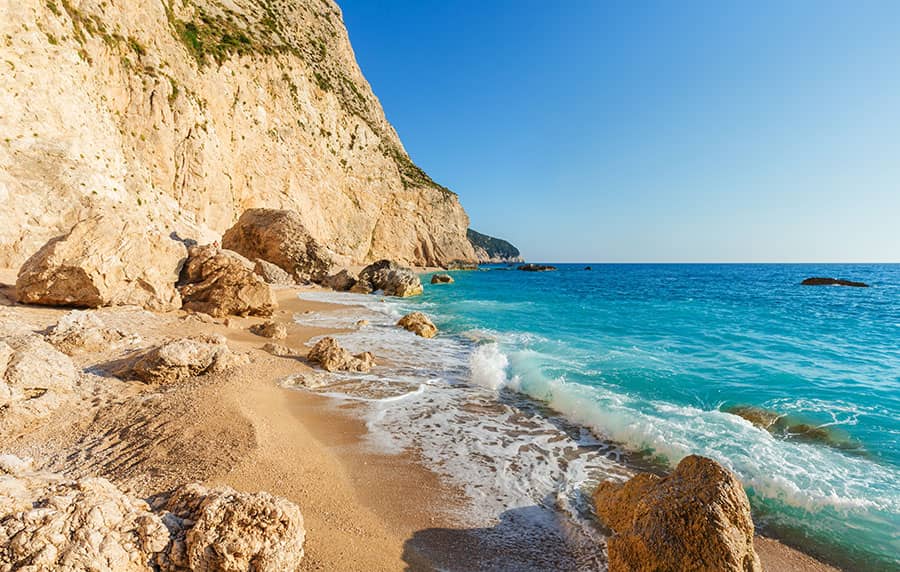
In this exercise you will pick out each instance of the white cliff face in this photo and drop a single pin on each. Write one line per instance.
(188, 112)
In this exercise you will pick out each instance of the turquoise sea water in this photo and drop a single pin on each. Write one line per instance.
(648, 356)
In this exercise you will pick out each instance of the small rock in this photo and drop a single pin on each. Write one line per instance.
(343, 281)
(419, 324)
(220, 282)
(274, 330)
(441, 279)
(279, 350)
(180, 359)
(362, 323)
(332, 357)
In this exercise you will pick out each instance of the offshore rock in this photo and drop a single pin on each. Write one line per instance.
(342, 281)
(419, 324)
(180, 359)
(332, 357)
(221, 282)
(441, 279)
(105, 261)
(390, 278)
(697, 518)
(536, 267)
(832, 282)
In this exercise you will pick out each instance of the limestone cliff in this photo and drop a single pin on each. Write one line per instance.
(188, 112)
(490, 250)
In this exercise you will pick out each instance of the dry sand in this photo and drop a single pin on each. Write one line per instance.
(242, 429)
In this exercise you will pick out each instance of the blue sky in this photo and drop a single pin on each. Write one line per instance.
(651, 131)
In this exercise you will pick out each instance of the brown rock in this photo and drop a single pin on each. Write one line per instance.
(441, 279)
(279, 350)
(104, 261)
(390, 278)
(332, 357)
(279, 237)
(273, 274)
(220, 282)
(180, 359)
(274, 330)
(419, 324)
(342, 281)
(697, 518)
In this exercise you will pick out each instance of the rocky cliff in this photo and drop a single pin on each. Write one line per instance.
(490, 250)
(188, 112)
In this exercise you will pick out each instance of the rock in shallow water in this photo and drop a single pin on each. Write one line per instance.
(419, 324)
(332, 357)
(697, 518)
(389, 277)
(441, 279)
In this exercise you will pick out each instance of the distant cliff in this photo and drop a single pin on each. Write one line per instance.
(188, 112)
(492, 250)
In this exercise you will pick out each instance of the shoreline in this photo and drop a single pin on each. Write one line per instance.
(364, 510)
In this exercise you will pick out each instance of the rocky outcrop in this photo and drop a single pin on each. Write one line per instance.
(105, 261)
(177, 360)
(441, 279)
(220, 282)
(389, 278)
(48, 522)
(168, 116)
(279, 237)
(222, 530)
(536, 268)
(832, 282)
(342, 281)
(419, 324)
(35, 379)
(274, 330)
(332, 357)
(697, 518)
(273, 274)
(82, 331)
(490, 250)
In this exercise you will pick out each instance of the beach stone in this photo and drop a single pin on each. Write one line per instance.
(441, 279)
(105, 261)
(48, 522)
(342, 281)
(274, 330)
(419, 324)
(817, 281)
(223, 530)
(221, 282)
(697, 518)
(273, 274)
(176, 360)
(390, 278)
(279, 350)
(279, 237)
(332, 357)
(82, 330)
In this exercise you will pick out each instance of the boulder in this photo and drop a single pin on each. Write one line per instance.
(279, 237)
(273, 274)
(82, 330)
(279, 350)
(35, 379)
(332, 357)
(791, 428)
(274, 330)
(176, 360)
(441, 279)
(223, 530)
(419, 324)
(48, 522)
(105, 261)
(342, 281)
(536, 267)
(221, 282)
(697, 518)
(390, 278)
(832, 282)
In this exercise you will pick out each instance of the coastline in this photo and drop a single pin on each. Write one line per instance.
(364, 510)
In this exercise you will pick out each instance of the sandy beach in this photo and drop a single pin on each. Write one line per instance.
(363, 510)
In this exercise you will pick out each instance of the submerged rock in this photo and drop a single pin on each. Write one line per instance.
(342, 281)
(221, 282)
(419, 324)
(697, 518)
(390, 278)
(105, 261)
(273, 274)
(536, 268)
(832, 282)
(81, 330)
(223, 530)
(332, 357)
(792, 428)
(279, 237)
(180, 359)
(274, 330)
(441, 279)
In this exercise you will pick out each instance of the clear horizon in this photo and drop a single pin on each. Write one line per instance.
(651, 132)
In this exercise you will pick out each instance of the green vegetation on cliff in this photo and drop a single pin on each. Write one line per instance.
(496, 248)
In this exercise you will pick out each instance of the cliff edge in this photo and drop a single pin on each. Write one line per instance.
(490, 250)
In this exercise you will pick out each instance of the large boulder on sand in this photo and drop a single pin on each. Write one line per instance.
(279, 237)
(697, 518)
(105, 261)
(341, 281)
(35, 379)
(419, 324)
(388, 277)
(176, 360)
(222, 530)
(220, 282)
(332, 357)
(48, 522)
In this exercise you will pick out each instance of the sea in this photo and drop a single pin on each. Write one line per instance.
(542, 384)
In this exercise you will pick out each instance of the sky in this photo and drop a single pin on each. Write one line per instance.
(636, 131)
